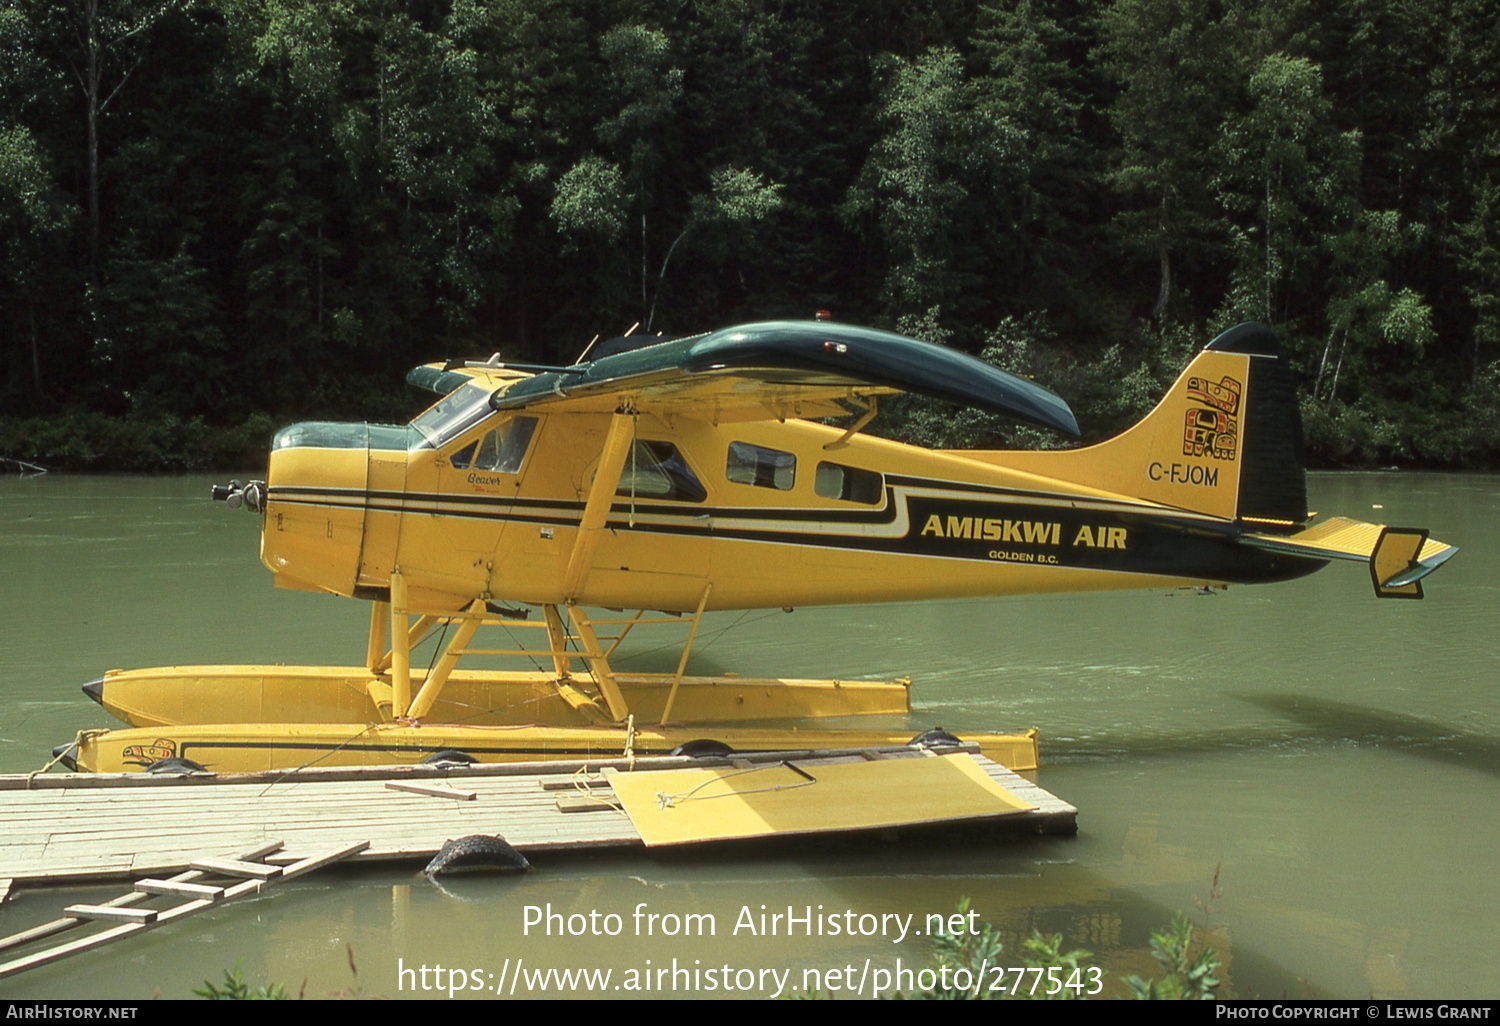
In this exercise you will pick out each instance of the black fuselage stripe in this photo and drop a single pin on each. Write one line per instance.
(1010, 533)
(694, 519)
(885, 512)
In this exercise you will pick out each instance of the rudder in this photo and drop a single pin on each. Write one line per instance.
(1273, 475)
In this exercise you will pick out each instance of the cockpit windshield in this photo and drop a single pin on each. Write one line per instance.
(456, 412)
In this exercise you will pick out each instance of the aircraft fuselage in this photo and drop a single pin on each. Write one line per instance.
(770, 513)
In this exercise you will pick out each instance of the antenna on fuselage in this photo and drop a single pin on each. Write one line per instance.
(595, 341)
(587, 349)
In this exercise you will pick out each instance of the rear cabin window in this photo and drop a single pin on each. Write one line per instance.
(764, 468)
(500, 451)
(836, 481)
(656, 470)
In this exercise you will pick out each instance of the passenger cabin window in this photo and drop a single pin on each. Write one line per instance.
(656, 470)
(764, 468)
(500, 451)
(836, 481)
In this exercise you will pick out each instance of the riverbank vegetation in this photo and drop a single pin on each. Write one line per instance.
(967, 967)
(217, 216)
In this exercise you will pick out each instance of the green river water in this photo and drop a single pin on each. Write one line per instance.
(1308, 772)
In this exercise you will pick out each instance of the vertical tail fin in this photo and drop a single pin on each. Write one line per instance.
(1225, 440)
(1273, 476)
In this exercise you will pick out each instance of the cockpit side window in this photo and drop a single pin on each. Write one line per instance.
(500, 451)
(656, 470)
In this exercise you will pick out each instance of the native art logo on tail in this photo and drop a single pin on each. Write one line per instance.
(1213, 431)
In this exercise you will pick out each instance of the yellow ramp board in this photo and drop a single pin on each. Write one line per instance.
(783, 799)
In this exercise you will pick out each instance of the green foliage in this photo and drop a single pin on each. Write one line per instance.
(1108, 391)
(1480, 418)
(215, 207)
(641, 75)
(1188, 978)
(921, 175)
(27, 203)
(1174, 86)
(1045, 951)
(590, 200)
(1477, 245)
(973, 955)
(1283, 175)
(85, 440)
(236, 989)
(737, 197)
(1030, 79)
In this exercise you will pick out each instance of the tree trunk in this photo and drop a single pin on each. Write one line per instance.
(643, 264)
(1164, 290)
(1334, 388)
(36, 354)
(1268, 250)
(91, 76)
(1323, 363)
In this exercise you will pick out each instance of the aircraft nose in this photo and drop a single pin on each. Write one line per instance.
(315, 505)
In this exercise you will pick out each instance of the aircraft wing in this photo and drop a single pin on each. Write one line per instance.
(1399, 557)
(779, 369)
(444, 378)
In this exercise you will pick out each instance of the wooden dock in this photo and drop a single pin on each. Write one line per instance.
(63, 829)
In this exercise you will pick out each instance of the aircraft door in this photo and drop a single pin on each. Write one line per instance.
(386, 469)
(655, 553)
(478, 479)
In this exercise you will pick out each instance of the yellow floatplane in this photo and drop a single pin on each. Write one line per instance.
(695, 474)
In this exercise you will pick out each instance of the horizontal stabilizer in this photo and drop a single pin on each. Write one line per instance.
(1399, 557)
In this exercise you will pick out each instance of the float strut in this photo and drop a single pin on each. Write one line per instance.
(687, 647)
(380, 621)
(400, 654)
(433, 686)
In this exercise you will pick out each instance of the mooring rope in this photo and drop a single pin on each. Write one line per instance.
(580, 781)
(667, 801)
(77, 746)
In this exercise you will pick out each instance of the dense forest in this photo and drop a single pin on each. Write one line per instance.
(217, 216)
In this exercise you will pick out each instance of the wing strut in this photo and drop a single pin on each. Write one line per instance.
(601, 495)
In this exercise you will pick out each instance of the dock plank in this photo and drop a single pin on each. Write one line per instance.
(114, 828)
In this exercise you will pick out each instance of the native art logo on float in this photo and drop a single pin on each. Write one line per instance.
(145, 755)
